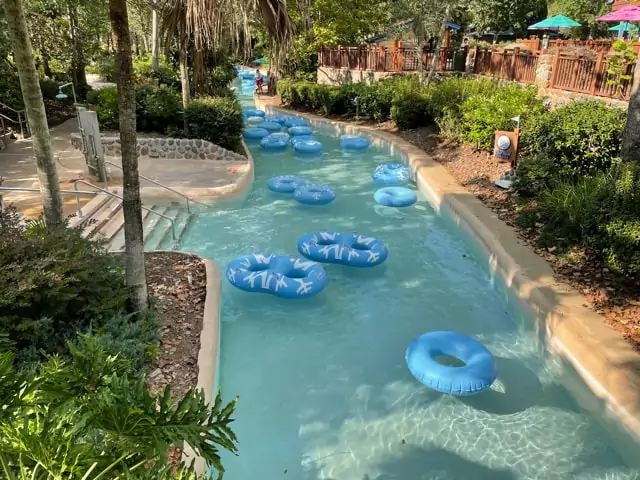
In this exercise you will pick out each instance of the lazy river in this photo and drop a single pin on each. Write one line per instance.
(324, 389)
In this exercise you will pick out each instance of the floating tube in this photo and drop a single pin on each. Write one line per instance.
(307, 146)
(344, 248)
(395, 196)
(314, 194)
(281, 119)
(478, 373)
(270, 126)
(275, 141)
(285, 183)
(247, 76)
(252, 112)
(300, 138)
(391, 174)
(301, 130)
(254, 120)
(294, 122)
(353, 142)
(254, 133)
(280, 275)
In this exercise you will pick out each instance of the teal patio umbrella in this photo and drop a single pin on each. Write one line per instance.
(624, 27)
(557, 22)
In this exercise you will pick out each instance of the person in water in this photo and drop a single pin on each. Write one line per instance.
(259, 82)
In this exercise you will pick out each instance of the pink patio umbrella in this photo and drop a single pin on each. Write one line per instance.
(630, 13)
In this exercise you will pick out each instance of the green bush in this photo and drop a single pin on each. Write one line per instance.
(221, 76)
(158, 109)
(582, 138)
(105, 103)
(105, 66)
(410, 104)
(218, 120)
(49, 88)
(54, 285)
(535, 174)
(166, 75)
(483, 114)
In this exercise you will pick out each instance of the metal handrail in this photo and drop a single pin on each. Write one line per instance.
(12, 109)
(20, 121)
(75, 186)
(30, 189)
(161, 185)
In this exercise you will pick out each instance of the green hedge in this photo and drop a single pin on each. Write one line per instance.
(218, 120)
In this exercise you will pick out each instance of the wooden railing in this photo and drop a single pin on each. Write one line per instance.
(508, 64)
(595, 46)
(588, 74)
(381, 59)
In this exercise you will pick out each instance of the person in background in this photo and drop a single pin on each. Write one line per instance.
(259, 82)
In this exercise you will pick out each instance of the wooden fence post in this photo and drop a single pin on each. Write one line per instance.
(554, 69)
(597, 73)
(514, 59)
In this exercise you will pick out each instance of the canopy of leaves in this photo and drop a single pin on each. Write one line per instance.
(502, 15)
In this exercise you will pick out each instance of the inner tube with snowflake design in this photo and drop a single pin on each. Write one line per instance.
(280, 275)
(344, 248)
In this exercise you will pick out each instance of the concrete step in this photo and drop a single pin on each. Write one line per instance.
(182, 221)
(90, 209)
(116, 243)
(161, 230)
(102, 217)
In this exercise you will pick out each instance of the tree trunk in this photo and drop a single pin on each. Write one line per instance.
(155, 50)
(32, 95)
(631, 136)
(184, 75)
(131, 206)
(436, 53)
(419, 48)
(46, 68)
(78, 63)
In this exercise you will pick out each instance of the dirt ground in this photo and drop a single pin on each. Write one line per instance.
(618, 299)
(177, 281)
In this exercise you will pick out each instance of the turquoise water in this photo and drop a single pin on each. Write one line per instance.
(323, 386)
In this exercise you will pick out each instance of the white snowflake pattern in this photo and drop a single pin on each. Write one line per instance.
(329, 235)
(305, 287)
(246, 262)
(335, 248)
(373, 256)
(231, 275)
(365, 240)
(264, 275)
(306, 248)
(262, 259)
(351, 253)
(281, 281)
(314, 238)
(303, 265)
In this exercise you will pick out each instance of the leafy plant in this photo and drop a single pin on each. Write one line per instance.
(157, 108)
(53, 285)
(218, 120)
(410, 104)
(623, 57)
(93, 417)
(105, 104)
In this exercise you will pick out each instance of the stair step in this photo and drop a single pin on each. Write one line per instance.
(116, 243)
(90, 209)
(161, 230)
(102, 217)
(181, 222)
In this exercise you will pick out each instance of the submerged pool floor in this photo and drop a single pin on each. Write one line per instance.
(323, 386)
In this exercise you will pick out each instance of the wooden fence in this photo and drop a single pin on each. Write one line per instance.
(512, 64)
(588, 74)
(381, 59)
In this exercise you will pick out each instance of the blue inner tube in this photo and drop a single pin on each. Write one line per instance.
(280, 275)
(294, 122)
(478, 373)
(343, 248)
(300, 138)
(301, 130)
(391, 174)
(254, 133)
(285, 183)
(307, 146)
(247, 76)
(314, 194)
(252, 112)
(353, 142)
(254, 120)
(270, 126)
(275, 141)
(395, 196)
(281, 119)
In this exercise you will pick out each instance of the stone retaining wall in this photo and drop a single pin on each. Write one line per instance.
(169, 148)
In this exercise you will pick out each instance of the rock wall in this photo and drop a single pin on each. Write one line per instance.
(167, 148)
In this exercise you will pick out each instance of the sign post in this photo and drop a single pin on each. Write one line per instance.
(505, 149)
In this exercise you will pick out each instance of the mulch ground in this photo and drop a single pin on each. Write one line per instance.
(177, 281)
(616, 298)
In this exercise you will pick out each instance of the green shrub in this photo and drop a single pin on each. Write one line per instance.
(49, 88)
(621, 245)
(158, 109)
(218, 120)
(410, 105)
(166, 75)
(54, 285)
(483, 114)
(536, 173)
(581, 137)
(221, 76)
(105, 66)
(105, 103)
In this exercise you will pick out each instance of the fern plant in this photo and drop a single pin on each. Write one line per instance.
(92, 417)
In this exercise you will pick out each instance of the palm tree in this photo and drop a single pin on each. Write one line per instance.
(131, 205)
(32, 95)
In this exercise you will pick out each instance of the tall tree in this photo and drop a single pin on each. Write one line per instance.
(32, 95)
(631, 137)
(501, 15)
(131, 206)
(155, 51)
